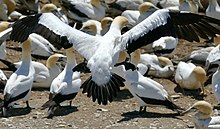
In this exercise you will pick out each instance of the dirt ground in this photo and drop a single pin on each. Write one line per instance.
(121, 113)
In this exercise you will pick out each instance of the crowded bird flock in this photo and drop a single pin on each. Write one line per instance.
(123, 45)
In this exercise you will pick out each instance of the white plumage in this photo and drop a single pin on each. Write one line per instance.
(189, 76)
(159, 66)
(65, 86)
(145, 90)
(18, 86)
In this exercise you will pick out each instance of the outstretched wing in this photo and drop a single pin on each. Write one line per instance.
(56, 32)
(184, 25)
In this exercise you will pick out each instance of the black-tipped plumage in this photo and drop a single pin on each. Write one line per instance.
(167, 103)
(81, 67)
(71, 7)
(104, 93)
(179, 26)
(10, 65)
(8, 99)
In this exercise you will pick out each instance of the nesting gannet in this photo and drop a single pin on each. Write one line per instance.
(216, 84)
(161, 23)
(81, 11)
(65, 86)
(202, 118)
(213, 9)
(159, 66)
(197, 57)
(19, 84)
(189, 76)
(145, 90)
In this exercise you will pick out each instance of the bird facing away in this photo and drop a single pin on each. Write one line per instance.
(65, 86)
(19, 84)
(161, 23)
(145, 90)
(202, 118)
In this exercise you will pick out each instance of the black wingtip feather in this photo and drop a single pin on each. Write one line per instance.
(103, 93)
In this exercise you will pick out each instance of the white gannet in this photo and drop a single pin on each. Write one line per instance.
(41, 46)
(213, 9)
(189, 76)
(202, 118)
(216, 84)
(81, 11)
(165, 46)
(19, 84)
(159, 66)
(197, 57)
(44, 74)
(65, 86)
(57, 11)
(161, 23)
(145, 90)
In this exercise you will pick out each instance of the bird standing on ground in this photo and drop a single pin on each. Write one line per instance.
(19, 84)
(65, 86)
(145, 90)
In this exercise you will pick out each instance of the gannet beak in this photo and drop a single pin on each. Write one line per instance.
(191, 109)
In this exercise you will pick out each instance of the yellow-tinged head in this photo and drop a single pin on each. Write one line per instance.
(4, 25)
(89, 26)
(200, 74)
(48, 8)
(164, 61)
(202, 107)
(51, 61)
(144, 7)
(106, 21)
(120, 22)
(95, 3)
(135, 57)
